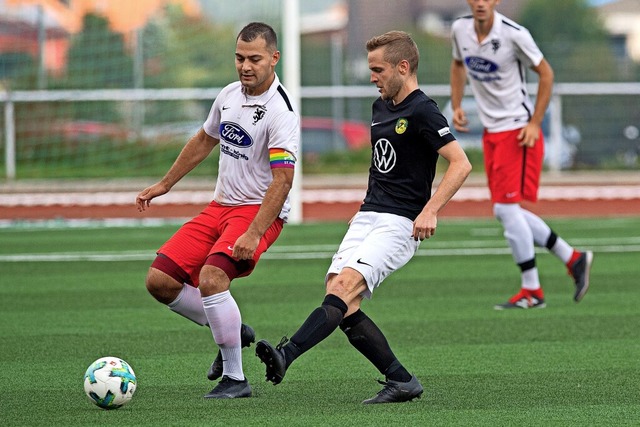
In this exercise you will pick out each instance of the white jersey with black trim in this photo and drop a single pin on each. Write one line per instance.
(496, 69)
(253, 131)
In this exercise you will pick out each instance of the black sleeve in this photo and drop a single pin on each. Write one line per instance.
(434, 127)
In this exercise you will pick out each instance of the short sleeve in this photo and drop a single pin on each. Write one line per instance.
(212, 124)
(455, 50)
(284, 133)
(526, 48)
(435, 127)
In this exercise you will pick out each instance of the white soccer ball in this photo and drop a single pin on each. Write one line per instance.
(110, 382)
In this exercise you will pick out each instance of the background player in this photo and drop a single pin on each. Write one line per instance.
(493, 51)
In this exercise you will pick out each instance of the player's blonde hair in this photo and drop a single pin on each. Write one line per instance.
(398, 46)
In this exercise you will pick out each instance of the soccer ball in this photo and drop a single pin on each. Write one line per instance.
(110, 382)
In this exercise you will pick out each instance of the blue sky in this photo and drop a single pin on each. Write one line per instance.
(599, 2)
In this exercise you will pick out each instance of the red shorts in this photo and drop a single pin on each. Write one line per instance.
(215, 230)
(513, 172)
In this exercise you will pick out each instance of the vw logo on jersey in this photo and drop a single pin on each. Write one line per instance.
(384, 156)
(234, 134)
(480, 65)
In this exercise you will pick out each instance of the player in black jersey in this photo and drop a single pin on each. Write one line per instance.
(408, 134)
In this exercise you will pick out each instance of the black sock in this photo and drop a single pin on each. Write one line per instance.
(528, 265)
(320, 324)
(369, 340)
(551, 241)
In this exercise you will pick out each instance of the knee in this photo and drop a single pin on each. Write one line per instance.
(498, 211)
(338, 287)
(161, 286)
(505, 211)
(152, 281)
(213, 281)
(347, 288)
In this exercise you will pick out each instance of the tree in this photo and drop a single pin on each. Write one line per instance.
(97, 57)
(18, 70)
(182, 51)
(195, 52)
(567, 21)
(571, 37)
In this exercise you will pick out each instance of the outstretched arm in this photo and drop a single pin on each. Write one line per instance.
(195, 151)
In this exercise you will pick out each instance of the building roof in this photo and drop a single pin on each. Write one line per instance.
(123, 15)
(620, 6)
(26, 30)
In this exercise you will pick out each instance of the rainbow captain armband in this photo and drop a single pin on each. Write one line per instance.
(280, 158)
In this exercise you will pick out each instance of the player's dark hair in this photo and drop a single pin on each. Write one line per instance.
(259, 29)
(399, 45)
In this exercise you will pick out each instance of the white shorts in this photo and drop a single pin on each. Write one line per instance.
(376, 245)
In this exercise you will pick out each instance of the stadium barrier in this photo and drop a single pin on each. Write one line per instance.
(619, 125)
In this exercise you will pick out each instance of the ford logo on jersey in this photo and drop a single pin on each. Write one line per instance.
(480, 65)
(233, 134)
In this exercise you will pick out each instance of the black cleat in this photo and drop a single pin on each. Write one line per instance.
(274, 358)
(228, 388)
(247, 336)
(580, 272)
(395, 392)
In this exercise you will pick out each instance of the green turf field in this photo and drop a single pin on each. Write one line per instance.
(71, 294)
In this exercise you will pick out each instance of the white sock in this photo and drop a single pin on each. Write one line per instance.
(562, 250)
(516, 231)
(530, 279)
(188, 303)
(225, 322)
(521, 240)
(541, 232)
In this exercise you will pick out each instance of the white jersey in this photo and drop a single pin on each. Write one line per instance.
(496, 69)
(256, 134)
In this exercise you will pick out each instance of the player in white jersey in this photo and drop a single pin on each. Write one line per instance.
(493, 53)
(241, 123)
(258, 131)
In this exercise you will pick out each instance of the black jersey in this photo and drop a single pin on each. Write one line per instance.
(405, 139)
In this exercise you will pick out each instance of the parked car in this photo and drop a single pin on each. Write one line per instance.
(176, 132)
(88, 131)
(473, 139)
(319, 135)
